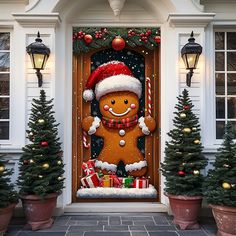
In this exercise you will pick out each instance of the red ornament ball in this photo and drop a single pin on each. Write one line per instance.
(88, 38)
(181, 173)
(44, 143)
(118, 43)
(157, 39)
(26, 162)
(186, 107)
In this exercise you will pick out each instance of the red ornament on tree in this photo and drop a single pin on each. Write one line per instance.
(118, 43)
(157, 39)
(26, 162)
(88, 38)
(181, 173)
(44, 143)
(186, 107)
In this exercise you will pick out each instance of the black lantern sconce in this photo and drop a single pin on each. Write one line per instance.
(190, 54)
(39, 54)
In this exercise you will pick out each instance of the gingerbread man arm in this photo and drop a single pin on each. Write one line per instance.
(146, 125)
(93, 125)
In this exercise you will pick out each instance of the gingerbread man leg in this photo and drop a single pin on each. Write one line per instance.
(136, 165)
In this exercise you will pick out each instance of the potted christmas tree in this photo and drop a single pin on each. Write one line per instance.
(41, 168)
(220, 185)
(8, 196)
(182, 165)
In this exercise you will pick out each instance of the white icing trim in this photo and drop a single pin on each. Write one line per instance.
(94, 126)
(118, 83)
(143, 126)
(135, 166)
(105, 165)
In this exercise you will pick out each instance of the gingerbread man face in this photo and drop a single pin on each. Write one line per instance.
(119, 105)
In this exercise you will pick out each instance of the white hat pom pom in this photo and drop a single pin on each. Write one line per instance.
(88, 95)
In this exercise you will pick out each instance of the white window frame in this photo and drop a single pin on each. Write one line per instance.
(225, 30)
(8, 141)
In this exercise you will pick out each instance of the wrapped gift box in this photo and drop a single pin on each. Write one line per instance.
(127, 182)
(106, 181)
(88, 167)
(91, 181)
(141, 183)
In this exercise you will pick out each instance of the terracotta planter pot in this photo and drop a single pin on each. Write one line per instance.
(225, 218)
(185, 210)
(39, 211)
(5, 217)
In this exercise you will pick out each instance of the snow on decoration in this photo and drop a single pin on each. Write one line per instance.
(105, 165)
(143, 126)
(99, 192)
(94, 126)
(136, 166)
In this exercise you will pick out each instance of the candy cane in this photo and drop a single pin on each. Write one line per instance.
(86, 145)
(149, 95)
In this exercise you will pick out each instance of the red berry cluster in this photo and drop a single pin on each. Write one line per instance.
(131, 33)
(144, 36)
(78, 35)
(99, 34)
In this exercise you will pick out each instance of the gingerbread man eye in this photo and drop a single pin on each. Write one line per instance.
(113, 102)
(126, 101)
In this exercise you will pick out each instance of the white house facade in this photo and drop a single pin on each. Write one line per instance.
(213, 89)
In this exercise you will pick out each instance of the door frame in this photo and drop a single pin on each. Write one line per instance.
(80, 109)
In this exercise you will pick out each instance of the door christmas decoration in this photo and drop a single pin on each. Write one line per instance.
(85, 39)
(118, 92)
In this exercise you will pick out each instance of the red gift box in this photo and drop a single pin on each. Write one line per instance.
(141, 183)
(91, 181)
(88, 167)
(117, 183)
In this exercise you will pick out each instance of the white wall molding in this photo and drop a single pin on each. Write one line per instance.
(41, 20)
(190, 20)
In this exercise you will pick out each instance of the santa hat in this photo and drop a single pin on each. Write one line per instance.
(110, 77)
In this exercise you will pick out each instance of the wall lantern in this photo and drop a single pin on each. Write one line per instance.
(39, 54)
(190, 54)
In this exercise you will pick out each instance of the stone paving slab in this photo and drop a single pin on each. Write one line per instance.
(123, 224)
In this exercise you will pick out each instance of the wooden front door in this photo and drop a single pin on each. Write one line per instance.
(143, 63)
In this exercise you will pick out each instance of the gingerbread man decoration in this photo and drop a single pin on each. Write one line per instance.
(118, 93)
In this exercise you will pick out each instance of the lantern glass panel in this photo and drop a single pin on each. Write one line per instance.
(192, 60)
(39, 61)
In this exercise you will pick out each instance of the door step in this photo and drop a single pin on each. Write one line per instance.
(114, 207)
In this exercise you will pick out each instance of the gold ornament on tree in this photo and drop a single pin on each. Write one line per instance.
(187, 130)
(196, 172)
(45, 165)
(226, 185)
(60, 178)
(40, 176)
(183, 115)
(2, 168)
(197, 141)
(194, 129)
(31, 161)
(226, 165)
(59, 162)
(41, 121)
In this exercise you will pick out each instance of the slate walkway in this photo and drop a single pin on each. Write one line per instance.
(135, 224)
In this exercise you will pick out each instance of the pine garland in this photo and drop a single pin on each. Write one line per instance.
(102, 37)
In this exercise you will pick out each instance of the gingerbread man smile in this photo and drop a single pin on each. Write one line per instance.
(119, 114)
